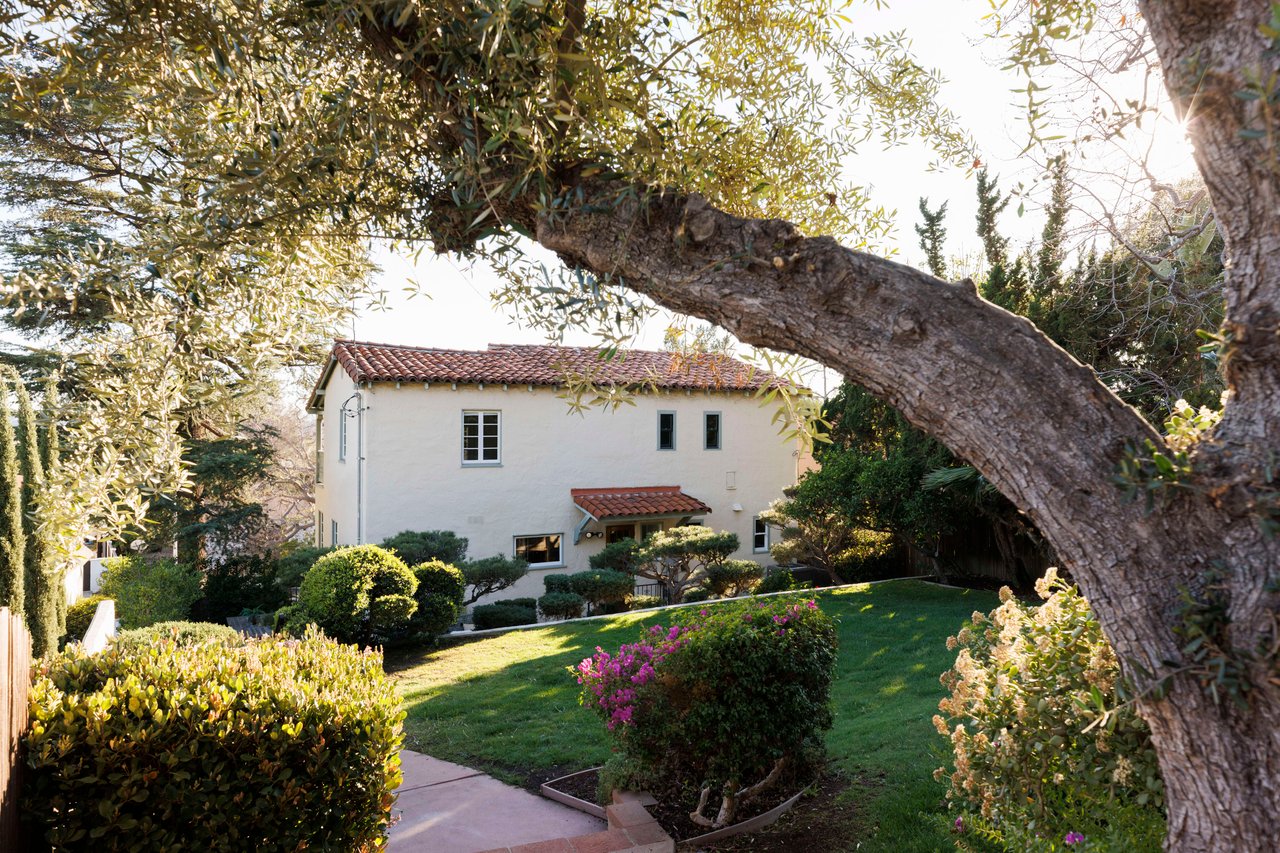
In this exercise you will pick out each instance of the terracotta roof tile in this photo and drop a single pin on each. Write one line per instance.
(633, 501)
(542, 365)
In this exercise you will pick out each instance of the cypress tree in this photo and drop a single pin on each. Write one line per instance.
(1003, 286)
(50, 453)
(40, 585)
(1049, 258)
(12, 540)
(933, 235)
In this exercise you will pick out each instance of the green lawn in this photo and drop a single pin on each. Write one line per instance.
(508, 705)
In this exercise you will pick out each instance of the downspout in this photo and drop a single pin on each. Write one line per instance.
(359, 416)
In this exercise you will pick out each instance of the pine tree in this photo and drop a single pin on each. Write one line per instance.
(933, 237)
(1049, 258)
(12, 541)
(1005, 286)
(40, 586)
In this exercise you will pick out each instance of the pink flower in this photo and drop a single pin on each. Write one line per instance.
(1073, 838)
(959, 825)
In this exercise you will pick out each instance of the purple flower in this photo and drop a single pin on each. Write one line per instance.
(959, 825)
(1073, 838)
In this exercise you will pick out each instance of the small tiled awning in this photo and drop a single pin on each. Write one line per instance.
(637, 502)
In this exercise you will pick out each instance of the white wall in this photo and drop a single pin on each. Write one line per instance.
(415, 479)
(336, 494)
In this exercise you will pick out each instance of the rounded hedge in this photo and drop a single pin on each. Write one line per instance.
(733, 577)
(266, 745)
(181, 633)
(557, 583)
(486, 616)
(79, 615)
(526, 603)
(779, 580)
(602, 586)
(561, 605)
(440, 592)
(643, 602)
(342, 591)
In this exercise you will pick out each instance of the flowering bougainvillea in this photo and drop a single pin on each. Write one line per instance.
(1037, 721)
(720, 699)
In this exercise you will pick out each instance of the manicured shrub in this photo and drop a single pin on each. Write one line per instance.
(150, 591)
(733, 577)
(642, 602)
(501, 616)
(492, 574)
(292, 619)
(620, 556)
(698, 593)
(264, 745)
(679, 558)
(293, 564)
(720, 700)
(439, 597)
(79, 615)
(236, 584)
(602, 586)
(557, 583)
(182, 633)
(778, 580)
(526, 603)
(342, 593)
(561, 605)
(416, 547)
(1037, 721)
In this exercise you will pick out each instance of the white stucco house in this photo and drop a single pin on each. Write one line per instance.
(480, 443)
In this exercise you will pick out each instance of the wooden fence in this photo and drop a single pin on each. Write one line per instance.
(15, 679)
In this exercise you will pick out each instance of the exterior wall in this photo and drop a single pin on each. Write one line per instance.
(415, 478)
(336, 492)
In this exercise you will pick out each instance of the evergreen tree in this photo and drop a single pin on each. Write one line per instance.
(12, 540)
(1004, 285)
(1049, 257)
(50, 451)
(40, 585)
(933, 237)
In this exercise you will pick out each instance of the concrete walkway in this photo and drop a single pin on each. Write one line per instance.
(448, 808)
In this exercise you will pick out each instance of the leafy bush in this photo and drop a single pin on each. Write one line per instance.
(427, 545)
(679, 558)
(620, 556)
(871, 554)
(602, 586)
(79, 615)
(642, 602)
(1037, 722)
(526, 603)
(501, 616)
(733, 577)
(492, 574)
(238, 583)
(698, 593)
(150, 591)
(292, 619)
(723, 700)
(342, 593)
(182, 633)
(557, 583)
(779, 580)
(561, 605)
(439, 597)
(293, 564)
(265, 745)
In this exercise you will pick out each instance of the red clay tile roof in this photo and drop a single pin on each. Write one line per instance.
(638, 500)
(542, 365)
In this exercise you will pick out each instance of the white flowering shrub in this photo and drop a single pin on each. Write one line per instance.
(1038, 726)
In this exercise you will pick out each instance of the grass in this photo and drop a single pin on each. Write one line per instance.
(507, 704)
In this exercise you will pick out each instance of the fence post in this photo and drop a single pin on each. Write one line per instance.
(15, 679)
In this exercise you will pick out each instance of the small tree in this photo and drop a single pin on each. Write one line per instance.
(492, 574)
(678, 558)
(602, 586)
(733, 578)
(814, 533)
(617, 556)
(416, 547)
(13, 543)
(150, 591)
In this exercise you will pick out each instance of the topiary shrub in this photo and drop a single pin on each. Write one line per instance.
(150, 591)
(557, 583)
(79, 615)
(733, 577)
(439, 597)
(620, 556)
(643, 602)
(343, 594)
(779, 580)
(182, 633)
(239, 583)
(526, 603)
(602, 586)
(561, 605)
(679, 558)
(265, 745)
(415, 547)
(698, 593)
(487, 616)
(722, 701)
(1043, 740)
(492, 574)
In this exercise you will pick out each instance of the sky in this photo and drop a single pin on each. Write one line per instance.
(457, 312)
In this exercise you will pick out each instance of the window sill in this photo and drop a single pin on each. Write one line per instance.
(539, 566)
(759, 550)
(481, 464)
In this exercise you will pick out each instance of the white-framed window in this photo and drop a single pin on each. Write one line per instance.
(481, 438)
(759, 535)
(542, 549)
(711, 430)
(342, 436)
(333, 534)
(319, 529)
(666, 430)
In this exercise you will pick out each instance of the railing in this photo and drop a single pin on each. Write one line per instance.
(15, 680)
(656, 589)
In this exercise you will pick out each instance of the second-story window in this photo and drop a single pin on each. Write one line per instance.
(481, 438)
(711, 430)
(666, 430)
